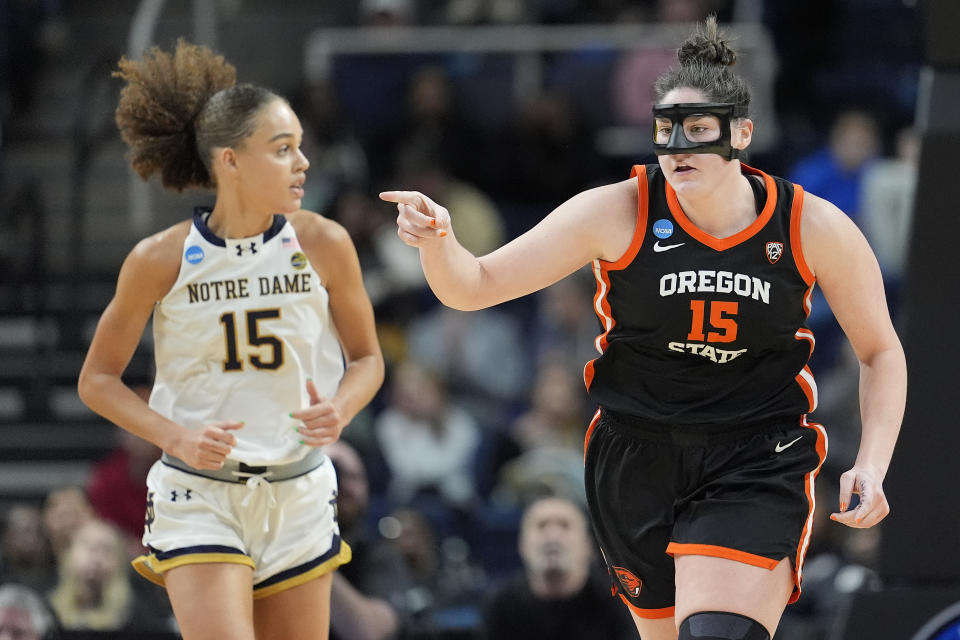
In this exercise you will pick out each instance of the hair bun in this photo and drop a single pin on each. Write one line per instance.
(706, 47)
(163, 94)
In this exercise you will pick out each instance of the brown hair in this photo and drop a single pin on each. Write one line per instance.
(175, 109)
(705, 61)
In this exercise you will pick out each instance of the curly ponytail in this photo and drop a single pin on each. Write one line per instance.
(705, 61)
(175, 109)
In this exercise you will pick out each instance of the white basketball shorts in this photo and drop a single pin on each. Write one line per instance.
(286, 531)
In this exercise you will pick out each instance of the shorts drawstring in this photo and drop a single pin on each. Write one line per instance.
(254, 481)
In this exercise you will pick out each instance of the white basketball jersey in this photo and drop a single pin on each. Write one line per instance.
(237, 337)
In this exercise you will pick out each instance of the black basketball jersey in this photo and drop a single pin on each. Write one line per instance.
(702, 330)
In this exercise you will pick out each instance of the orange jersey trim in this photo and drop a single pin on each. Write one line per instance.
(602, 308)
(715, 551)
(809, 387)
(639, 172)
(805, 378)
(796, 237)
(721, 244)
(808, 300)
(809, 487)
(586, 438)
(601, 269)
(648, 614)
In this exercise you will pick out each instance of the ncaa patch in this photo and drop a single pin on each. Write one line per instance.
(193, 254)
(774, 251)
(298, 260)
(631, 583)
(663, 228)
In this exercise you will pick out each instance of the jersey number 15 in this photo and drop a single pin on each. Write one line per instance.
(254, 338)
(721, 313)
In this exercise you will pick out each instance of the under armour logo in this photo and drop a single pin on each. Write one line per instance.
(186, 495)
(333, 503)
(241, 249)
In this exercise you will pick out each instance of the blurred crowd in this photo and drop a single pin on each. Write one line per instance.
(461, 487)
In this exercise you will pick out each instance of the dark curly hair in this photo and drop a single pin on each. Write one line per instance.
(705, 61)
(175, 109)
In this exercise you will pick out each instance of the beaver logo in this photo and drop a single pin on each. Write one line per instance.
(630, 582)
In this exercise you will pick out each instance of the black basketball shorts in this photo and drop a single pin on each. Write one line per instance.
(655, 491)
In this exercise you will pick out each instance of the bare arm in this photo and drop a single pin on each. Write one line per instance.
(333, 255)
(847, 271)
(597, 223)
(146, 276)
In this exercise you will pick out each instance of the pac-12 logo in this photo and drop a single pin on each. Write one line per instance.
(663, 228)
(774, 251)
(630, 582)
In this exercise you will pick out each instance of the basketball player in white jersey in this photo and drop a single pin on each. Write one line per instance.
(265, 350)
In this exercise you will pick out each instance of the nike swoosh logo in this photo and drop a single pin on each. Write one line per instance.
(665, 247)
(781, 447)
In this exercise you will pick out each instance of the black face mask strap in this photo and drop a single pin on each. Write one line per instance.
(726, 112)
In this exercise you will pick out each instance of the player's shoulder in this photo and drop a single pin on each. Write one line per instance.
(313, 228)
(152, 266)
(162, 248)
(608, 197)
(820, 216)
(829, 235)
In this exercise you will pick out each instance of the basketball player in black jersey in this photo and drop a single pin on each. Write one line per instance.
(700, 462)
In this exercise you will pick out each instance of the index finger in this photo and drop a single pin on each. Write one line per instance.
(413, 198)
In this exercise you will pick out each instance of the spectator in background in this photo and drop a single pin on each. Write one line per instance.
(25, 555)
(546, 442)
(368, 592)
(433, 123)
(480, 356)
(117, 485)
(550, 150)
(94, 591)
(442, 574)
(557, 416)
(24, 615)
(339, 161)
(428, 442)
(835, 171)
(564, 327)
(887, 193)
(637, 70)
(560, 594)
(392, 277)
(64, 512)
